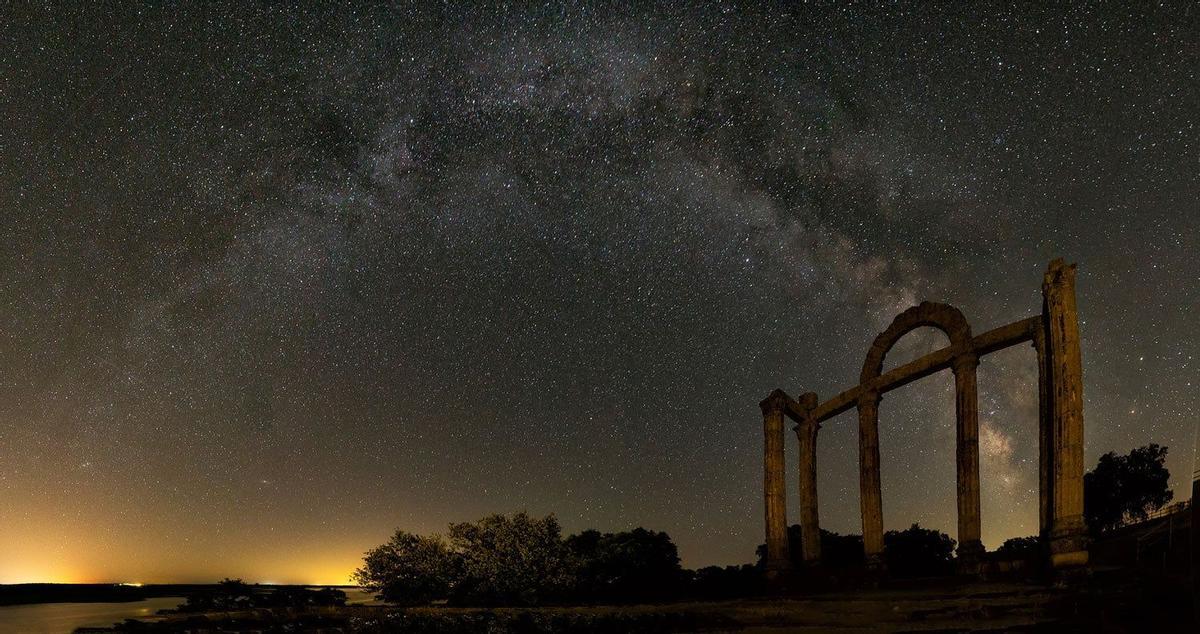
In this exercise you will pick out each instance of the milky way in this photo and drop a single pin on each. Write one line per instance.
(279, 281)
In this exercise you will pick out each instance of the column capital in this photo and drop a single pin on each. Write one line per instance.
(806, 404)
(776, 401)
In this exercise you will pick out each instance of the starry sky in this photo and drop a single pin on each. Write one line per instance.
(279, 280)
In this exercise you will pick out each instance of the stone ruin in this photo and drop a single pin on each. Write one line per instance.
(1054, 334)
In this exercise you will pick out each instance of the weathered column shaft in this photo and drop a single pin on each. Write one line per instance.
(1045, 438)
(966, 409)
(774, 493)
(1068, 546)
(810, 528)
(869, 492)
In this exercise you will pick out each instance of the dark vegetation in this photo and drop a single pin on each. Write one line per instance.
(27, 593)
(913, 552)
(446, 621)
(1123, 489)
(918, 552)
(68, 593)
(520, 560)
(234, 594)
(525, 562)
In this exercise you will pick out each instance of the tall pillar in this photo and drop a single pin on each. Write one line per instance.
(810, 528)
(1068, 545)
(869, 493)
(1045, 438)
(774, 494)
(966, 410)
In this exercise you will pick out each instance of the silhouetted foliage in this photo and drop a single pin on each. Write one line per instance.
(1020, 547)
(521, 560)
(234, 594)
(841, 551)
(498, 560)
(918, 552)
(229, 594)
(837, 551)
(638, 565)
(1125, 488)
(730, 582)
(410, 569)
(298, 597)
(517, 560)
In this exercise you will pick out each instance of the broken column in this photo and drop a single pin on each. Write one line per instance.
(1068, 541)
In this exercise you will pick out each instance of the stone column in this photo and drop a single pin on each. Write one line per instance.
(1068, 545)
(810, 527)
(774, 493)
(1045, 437)
(869, 493)
(966, 410)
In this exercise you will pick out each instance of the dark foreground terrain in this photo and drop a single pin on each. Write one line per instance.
(1117, 604)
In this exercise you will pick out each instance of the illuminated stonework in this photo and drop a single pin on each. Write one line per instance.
(1055, 335)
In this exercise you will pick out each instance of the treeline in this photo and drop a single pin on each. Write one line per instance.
(523, 560)
(234, 594)
(912, 552)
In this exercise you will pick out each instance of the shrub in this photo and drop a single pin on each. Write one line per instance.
(410, 569)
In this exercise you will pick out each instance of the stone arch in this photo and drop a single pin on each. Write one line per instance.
(944, 317)
(1055, 335)
(951, 321)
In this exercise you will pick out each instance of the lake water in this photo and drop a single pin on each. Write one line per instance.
(63, 618)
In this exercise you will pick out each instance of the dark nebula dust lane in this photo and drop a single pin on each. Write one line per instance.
(277, 281)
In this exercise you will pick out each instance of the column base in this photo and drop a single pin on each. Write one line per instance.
(777, 570)
(970, 557)
(1068, 544)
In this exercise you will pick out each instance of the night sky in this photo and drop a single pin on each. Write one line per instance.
(276, 282)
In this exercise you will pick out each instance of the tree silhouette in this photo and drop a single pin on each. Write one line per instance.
(1124, 488)
(1020, 547)
(512, 560)
(410, 569)
(504, 560)
(638, 565)
(837, 551)
(918, 552)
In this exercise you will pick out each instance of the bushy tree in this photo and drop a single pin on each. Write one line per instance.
(523, 560)
(512, 560)
(841, 551)
(228, 594)
(1124, 488)
(918, 552)
(410, 569)
(837, 551)
(637, 565)
(1020, 547)
(730, 582)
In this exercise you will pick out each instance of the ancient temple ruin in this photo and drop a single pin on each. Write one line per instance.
(1054, 334)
